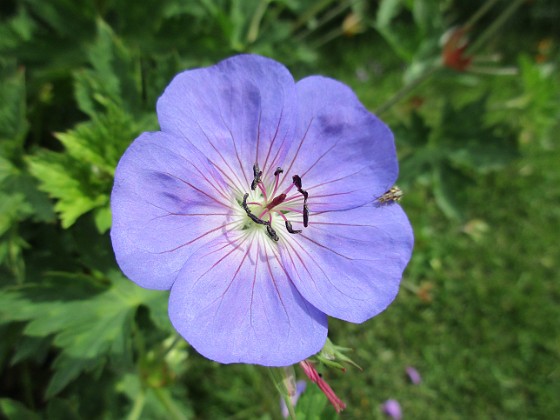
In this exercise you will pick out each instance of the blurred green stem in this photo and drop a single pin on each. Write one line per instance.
(176, 341)
(254, 26)
(138, 406)
(493, 28)
(479, 13)
(334, 12)
(173, 411)
(285, 382)
(310, 13)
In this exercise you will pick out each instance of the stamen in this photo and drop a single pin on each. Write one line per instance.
(297, 182)
(257, 173)
(269, 229)
(290, 229)
(251, 215)
(272, 233)
(270, 208)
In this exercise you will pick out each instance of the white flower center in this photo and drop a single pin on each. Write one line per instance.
(270, 209)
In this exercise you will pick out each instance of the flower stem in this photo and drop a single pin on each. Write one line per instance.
(310, 13)
(479, 13)
(138, 406)
(284, 381)
(173, 411)
(176, 341)
(330, 15)
(493, 28)
(254, 26)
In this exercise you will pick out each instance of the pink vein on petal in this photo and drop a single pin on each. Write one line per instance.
(195, 239)
(195, 188)
(297, 150)
(273, 140)
(218, 167)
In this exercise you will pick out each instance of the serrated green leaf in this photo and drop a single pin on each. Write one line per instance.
(87, 330)
(64, 179)
(39, 203)
(81, 179)
(114, 77)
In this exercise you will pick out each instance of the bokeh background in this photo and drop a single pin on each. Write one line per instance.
(472, 92)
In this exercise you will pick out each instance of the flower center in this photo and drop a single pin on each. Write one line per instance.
(272, 204)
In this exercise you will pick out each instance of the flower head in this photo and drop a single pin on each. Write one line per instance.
(316, 377)
(255, 205)
(392, 409)
(454, 52)
(413, 375)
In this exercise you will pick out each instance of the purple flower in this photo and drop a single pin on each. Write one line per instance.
(392, 409)
(255, 205)
(413, 375)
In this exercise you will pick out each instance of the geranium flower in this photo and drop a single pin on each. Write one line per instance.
(392, 409)
(255, 205)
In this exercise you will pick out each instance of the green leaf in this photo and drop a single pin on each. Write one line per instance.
(388, 10)
(539, 102)
(14, 410)
(449, 191)
(65, 17)
(30, 348)
(59, 409)
(87, 329)
(11, 209)
(13, 123)
(18, 29)
(472, 143)
(81, 179)
(403, 38)
(312, 404)
(114, 75)
(66, 180)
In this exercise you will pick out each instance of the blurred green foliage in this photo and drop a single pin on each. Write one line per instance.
(478, 310)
